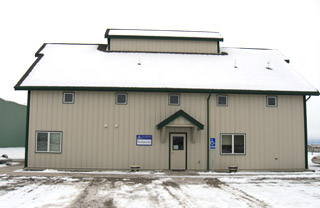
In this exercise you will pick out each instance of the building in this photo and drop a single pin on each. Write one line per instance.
(154, 99)
(13, 117)
(314, 147)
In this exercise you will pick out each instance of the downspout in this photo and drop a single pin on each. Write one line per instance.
(27, 132)
(305, 129)
(208, 129)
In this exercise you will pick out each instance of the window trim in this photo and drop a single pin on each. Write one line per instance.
(48, 147)
(169, 103)
(276, 102)
(234, 134)
(63, 98)
(218, 96)
(122, 93)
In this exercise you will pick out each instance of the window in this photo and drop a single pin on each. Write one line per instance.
(222, 100)
(272, 101)
(121, 98)
(174, 99)
(68, 97)
(48, 141)
(233, 143)
(177, 142)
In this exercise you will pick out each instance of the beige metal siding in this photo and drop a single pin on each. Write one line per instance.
(271, 132)
(154, 45)
(274, 135)
(87, 143)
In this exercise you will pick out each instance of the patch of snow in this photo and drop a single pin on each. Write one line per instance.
(111, 172)
(277, 193)
(38, 192)
(312, 166)
(13, 152)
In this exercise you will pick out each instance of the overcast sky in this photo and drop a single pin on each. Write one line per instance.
(291, 26)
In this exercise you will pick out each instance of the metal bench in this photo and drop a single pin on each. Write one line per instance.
(135, 168)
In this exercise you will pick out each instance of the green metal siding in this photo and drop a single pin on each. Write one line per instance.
(12, 124)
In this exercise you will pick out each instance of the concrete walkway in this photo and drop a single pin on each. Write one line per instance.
(17, 170)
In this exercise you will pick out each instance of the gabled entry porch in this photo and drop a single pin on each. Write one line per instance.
(180, 128)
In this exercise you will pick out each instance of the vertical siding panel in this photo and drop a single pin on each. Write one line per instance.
(109, 122)
(131, 136)
(148, 131)
(111, 130)
(96, 139)
(122, 129)
(104, 150)
(79, 130)
(90, 150)
(43, 124)
(85, 127)
(142, 128)
(158, 157)
(67, 156)
(74, 138)
(128, 136)
(97, 127)
(136, 126)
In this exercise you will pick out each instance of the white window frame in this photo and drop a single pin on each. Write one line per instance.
(126, 102)
(232, 152)
(276, 101)
(174, 95)
(67, 102)
(48, 141)
(218, 96)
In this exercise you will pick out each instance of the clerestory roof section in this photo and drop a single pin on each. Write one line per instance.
(83, 67)
(163, 34)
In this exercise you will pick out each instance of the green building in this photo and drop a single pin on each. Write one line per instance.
(12, 124)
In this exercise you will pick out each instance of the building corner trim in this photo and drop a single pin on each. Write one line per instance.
(305, 131)
(27, 132)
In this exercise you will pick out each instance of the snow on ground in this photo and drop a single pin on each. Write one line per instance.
(142, 191)
(38, 191)
(312, 166)
(147, 189)
(13, 152)
(276, 191)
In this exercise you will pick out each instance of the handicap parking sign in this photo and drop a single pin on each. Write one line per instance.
(212, 143)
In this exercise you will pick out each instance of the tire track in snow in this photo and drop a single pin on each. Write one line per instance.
(178, 194)
(251, 201)
(90, 198)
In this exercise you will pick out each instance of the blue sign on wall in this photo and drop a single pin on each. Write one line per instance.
(212, 143)
(144, 140)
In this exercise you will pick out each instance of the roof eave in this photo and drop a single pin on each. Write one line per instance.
(181, 90)
(162, 38)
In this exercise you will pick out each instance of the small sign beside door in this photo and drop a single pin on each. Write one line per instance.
(144, 140)
(212, 143)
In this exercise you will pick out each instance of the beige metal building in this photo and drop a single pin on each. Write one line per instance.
(155, 99)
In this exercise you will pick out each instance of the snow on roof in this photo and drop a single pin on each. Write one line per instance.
(84, 66)
(164, 33)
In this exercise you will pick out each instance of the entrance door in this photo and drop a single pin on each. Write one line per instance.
(178, 151)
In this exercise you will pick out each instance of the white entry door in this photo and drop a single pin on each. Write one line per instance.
(178, 151)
